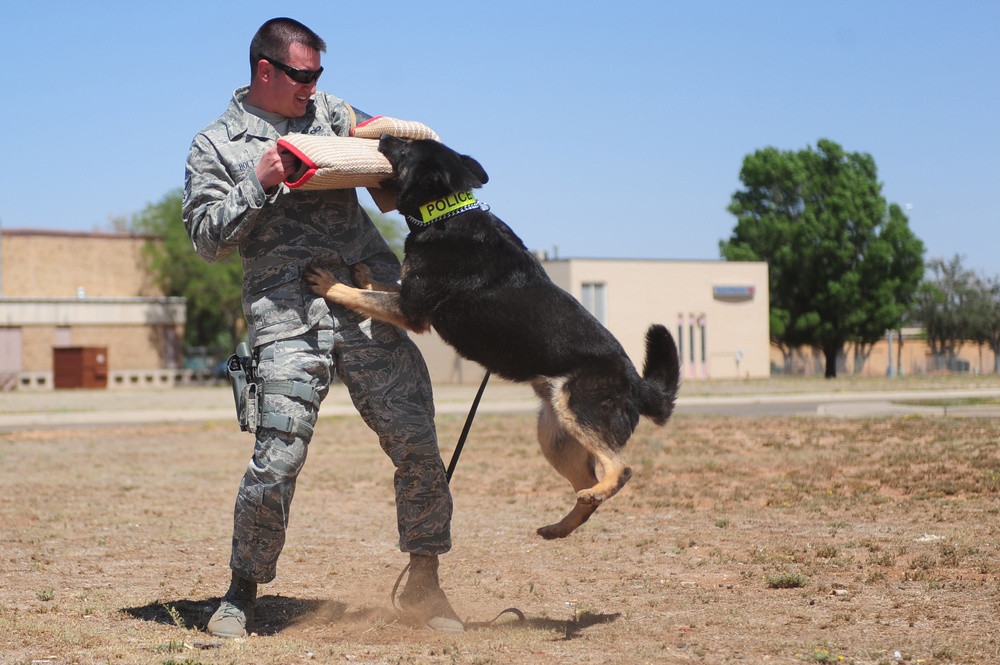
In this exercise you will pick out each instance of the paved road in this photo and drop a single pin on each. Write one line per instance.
(82, 408)
(842, 405)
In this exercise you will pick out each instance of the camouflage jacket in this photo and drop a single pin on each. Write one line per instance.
(278, 232)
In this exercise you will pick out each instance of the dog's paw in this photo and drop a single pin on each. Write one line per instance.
(590, 497)
(552, 531)
(361, 275)
(325, 285)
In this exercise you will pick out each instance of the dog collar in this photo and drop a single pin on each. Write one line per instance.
(443, 208)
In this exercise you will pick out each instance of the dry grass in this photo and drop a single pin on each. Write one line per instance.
(738, 540)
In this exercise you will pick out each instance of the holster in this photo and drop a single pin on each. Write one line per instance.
(249, 390)
(242, 369)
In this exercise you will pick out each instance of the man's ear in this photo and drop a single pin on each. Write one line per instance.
(264, 70)
(476, 169)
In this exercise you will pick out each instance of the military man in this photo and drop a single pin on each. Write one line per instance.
(235, 199)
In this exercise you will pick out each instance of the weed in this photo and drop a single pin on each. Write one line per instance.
(822, 656)
(175, 616)
(173, 646)
(786, 580)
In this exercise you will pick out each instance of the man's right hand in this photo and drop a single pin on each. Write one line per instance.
(274, 166)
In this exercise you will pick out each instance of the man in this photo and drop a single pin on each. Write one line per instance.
(235, 199)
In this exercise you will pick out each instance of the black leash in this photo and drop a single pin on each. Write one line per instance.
(465, 430)
(448, 474)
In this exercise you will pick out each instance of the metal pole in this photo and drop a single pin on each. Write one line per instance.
(891, 371)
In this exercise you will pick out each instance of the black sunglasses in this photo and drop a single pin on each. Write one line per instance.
(297, 75)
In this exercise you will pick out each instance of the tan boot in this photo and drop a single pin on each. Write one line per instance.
(423, 601)
(235, 612)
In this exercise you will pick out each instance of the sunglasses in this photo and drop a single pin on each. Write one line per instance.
(297, 75)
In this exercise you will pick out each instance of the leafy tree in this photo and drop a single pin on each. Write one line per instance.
(213, 290)
(984, 312)
(891, 277)
(843, 265)
(955, 306)
(393, 230)
(943, 305)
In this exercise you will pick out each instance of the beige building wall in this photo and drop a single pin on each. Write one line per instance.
(129, 347)
(725, 302)
(36, 263)
(60, 289)
(912, 359)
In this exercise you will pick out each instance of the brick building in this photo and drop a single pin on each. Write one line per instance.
(717, 312)
(62, 289)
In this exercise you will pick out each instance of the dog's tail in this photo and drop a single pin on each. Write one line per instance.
(661, 375)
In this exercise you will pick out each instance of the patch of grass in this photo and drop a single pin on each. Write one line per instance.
(786, 580)
(946, 402)
(822, 656)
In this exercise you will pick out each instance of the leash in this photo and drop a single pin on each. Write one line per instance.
(465, 430)
(448, 474)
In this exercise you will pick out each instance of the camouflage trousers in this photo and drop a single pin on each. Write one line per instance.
(389, 384)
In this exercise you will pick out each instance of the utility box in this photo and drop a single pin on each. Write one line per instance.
(80, 367)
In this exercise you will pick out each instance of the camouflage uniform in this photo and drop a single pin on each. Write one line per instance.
(300, 339)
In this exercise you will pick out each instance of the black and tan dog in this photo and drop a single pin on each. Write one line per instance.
(467, 275)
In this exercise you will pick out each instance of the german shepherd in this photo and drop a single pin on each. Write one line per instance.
(467, 274)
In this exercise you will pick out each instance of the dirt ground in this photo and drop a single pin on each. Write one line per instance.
(737, 540)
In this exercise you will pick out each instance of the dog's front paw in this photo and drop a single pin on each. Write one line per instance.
(361, 275)
(323, 283)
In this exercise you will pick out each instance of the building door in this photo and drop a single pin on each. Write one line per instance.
(10, 357)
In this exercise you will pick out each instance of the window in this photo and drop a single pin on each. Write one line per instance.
(595, 299)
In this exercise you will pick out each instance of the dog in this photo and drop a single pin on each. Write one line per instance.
(466, 274)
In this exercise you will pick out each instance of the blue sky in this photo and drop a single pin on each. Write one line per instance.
(609, 129)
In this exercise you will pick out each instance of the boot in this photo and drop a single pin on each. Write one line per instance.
(236, 610)
(423, 601)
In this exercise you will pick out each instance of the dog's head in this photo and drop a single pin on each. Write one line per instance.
(426, 170)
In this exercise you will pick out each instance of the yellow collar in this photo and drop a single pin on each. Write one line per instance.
(453, 203)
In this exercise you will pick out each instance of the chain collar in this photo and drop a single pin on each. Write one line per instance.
(445, 208)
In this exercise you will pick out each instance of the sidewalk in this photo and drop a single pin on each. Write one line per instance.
(20, 410)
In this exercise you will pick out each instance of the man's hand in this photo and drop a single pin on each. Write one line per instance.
(274, 166)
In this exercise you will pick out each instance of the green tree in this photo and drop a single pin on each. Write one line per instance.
(892, 273)
(984, 314)
(843, 266)
(393, 230)
(949, 305)
(213, 290)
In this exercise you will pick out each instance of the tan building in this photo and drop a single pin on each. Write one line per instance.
(67, 290)
(716, 310)
(63, 290)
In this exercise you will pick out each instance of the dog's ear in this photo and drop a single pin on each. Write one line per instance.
(476, 169)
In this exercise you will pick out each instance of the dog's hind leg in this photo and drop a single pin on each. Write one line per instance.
(572, 459)
(573, 462)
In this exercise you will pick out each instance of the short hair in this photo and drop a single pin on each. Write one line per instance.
(275, 38)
